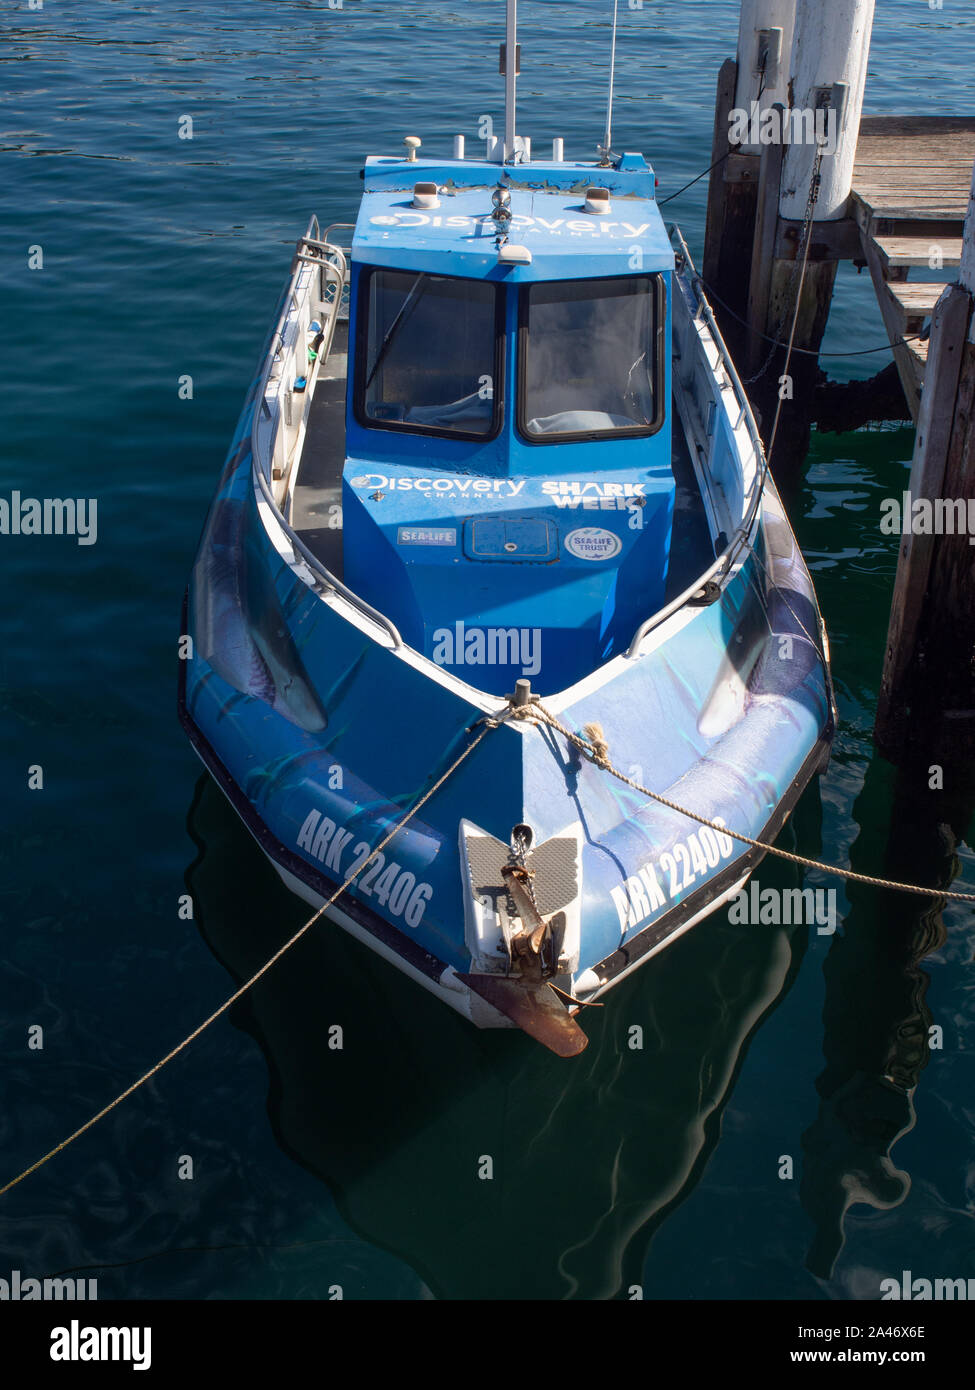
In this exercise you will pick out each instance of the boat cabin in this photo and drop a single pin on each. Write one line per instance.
(507, 484)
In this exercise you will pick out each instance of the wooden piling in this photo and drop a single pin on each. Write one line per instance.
(756, 79)
(927, 694)
(732, 192)
(827, 69)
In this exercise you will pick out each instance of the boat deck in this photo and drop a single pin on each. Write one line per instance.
(318, 486)
(317, 497)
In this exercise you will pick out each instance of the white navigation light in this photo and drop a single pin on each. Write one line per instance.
(514, 255)
(597, 201)
(425, 195)
(412, 143)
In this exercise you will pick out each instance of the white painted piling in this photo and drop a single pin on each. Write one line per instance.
(764, 57)
(831, 45)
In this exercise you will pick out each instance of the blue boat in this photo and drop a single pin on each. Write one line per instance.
(496, 452)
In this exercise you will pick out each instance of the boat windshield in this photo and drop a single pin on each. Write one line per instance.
(590, 359)
(430, 350)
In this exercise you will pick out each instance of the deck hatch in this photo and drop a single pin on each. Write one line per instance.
(511, 538)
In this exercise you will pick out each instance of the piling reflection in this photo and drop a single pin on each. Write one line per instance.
(407, 1118)
(877, 1023)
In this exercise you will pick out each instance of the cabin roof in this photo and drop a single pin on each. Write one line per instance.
(548, 217)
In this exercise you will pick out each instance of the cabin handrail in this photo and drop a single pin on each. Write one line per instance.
(262, 466)
(707, 313)
(313, 562)
(726, 559)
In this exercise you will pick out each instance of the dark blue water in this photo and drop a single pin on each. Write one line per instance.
(315, 1168)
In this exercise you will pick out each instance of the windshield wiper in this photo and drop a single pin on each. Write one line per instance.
(409, 304)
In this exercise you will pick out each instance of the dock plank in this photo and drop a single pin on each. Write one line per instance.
(913, 168)
(916, 296)
(898, 252)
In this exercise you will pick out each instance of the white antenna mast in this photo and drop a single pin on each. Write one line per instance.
(510, 78)
(606, 148)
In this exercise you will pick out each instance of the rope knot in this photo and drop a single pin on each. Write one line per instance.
(598, 744)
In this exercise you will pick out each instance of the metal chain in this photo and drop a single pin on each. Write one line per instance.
(519, 856)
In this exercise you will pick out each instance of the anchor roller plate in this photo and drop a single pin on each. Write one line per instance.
(556, 869)
(522, 922)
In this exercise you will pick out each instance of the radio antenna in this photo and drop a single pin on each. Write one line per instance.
(605, 149)
(510, 78)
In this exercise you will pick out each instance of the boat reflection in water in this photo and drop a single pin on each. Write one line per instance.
(586, 1161)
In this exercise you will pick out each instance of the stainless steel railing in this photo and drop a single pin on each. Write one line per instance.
(724, 563)
(314, 249)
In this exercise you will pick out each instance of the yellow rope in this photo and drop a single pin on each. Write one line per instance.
(594, 747)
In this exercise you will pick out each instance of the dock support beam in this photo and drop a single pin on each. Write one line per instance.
(927, 695)
(827, 74)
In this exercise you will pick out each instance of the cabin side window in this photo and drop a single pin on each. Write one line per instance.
(591, 358)
(430, 354)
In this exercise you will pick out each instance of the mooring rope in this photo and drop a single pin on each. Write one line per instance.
(908, 338)
(696, 179)
(595, 748)
(592, 745)
(238, 993)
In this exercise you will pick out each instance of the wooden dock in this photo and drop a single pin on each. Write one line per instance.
(911, 183)
(896, 195)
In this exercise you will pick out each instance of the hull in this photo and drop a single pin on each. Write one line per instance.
(315, 798)
(322, 728)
